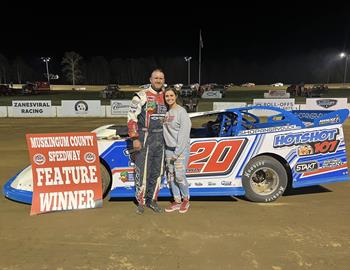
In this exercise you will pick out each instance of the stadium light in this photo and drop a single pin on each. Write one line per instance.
(47, 60)
(188, 60)
(346, 56)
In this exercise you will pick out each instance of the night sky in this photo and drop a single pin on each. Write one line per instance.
(254, 35)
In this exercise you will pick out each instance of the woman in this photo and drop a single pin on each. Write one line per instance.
(176, 131)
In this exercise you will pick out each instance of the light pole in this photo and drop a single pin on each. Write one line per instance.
(346, 56)
(188, 60)
(47, 60)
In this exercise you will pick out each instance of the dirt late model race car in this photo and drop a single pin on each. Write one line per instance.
(233, 152)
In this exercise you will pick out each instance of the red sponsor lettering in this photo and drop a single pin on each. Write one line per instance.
(326, 147)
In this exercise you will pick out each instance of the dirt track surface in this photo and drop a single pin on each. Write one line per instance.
(308, 229)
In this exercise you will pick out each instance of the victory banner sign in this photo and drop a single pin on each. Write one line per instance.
(66, 171)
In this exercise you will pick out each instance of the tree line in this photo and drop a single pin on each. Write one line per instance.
(315, 67)
(75, 69)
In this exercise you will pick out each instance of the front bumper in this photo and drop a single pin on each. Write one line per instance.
(16, 194)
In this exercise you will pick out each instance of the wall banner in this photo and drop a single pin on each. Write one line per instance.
(32, 108)
(120, 107)
(81, 108)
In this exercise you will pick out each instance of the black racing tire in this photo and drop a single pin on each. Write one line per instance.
(264, 179)
(106, 180)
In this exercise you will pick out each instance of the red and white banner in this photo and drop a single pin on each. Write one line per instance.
(66, 171)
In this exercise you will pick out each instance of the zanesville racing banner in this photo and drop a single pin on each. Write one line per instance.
(66, 171)
(32, 108)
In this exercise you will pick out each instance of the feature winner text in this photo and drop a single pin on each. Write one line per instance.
(66, 200)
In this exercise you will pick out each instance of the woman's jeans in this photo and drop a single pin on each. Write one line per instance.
(176, 174)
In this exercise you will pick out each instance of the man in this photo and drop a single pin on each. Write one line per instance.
(145, 125)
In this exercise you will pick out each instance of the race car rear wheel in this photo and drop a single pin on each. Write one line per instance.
(106, 180)
(264, 179)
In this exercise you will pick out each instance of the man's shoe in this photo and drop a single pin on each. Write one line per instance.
(184, 206)
(173, 207)
(155, 207)
(140, 209)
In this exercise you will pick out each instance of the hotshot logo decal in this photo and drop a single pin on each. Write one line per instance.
(305, 137)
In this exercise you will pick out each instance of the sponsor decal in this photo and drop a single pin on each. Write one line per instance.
(305, 137)
(81, 107)
(226, 183)
(162, 109)
(305, 150)
(306, 167)
(133, 105)
(332, 163)
(151, 106)
(130, 176)
(39, 159)
(308, 115)
(211, 184)
(124, 176)
(326, 103)
(326, 147)
(318, 148)
(267, 130)
(214, 157)
(198, 184)
(157, 116)
(333, 120)
(90, 157)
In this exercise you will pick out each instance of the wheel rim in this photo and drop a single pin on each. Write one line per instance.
(264, 181)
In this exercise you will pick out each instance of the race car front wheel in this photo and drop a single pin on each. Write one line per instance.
(106, 180)
(264, 179)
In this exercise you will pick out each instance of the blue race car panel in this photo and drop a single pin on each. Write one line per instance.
(236, 152)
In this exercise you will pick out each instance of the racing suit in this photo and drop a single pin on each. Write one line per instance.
(145, 122)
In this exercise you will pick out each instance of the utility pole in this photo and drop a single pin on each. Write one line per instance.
(47, 60)
(188, 60)
(346, 56)
(200, 56)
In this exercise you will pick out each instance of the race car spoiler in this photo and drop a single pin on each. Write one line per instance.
(322, 117)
